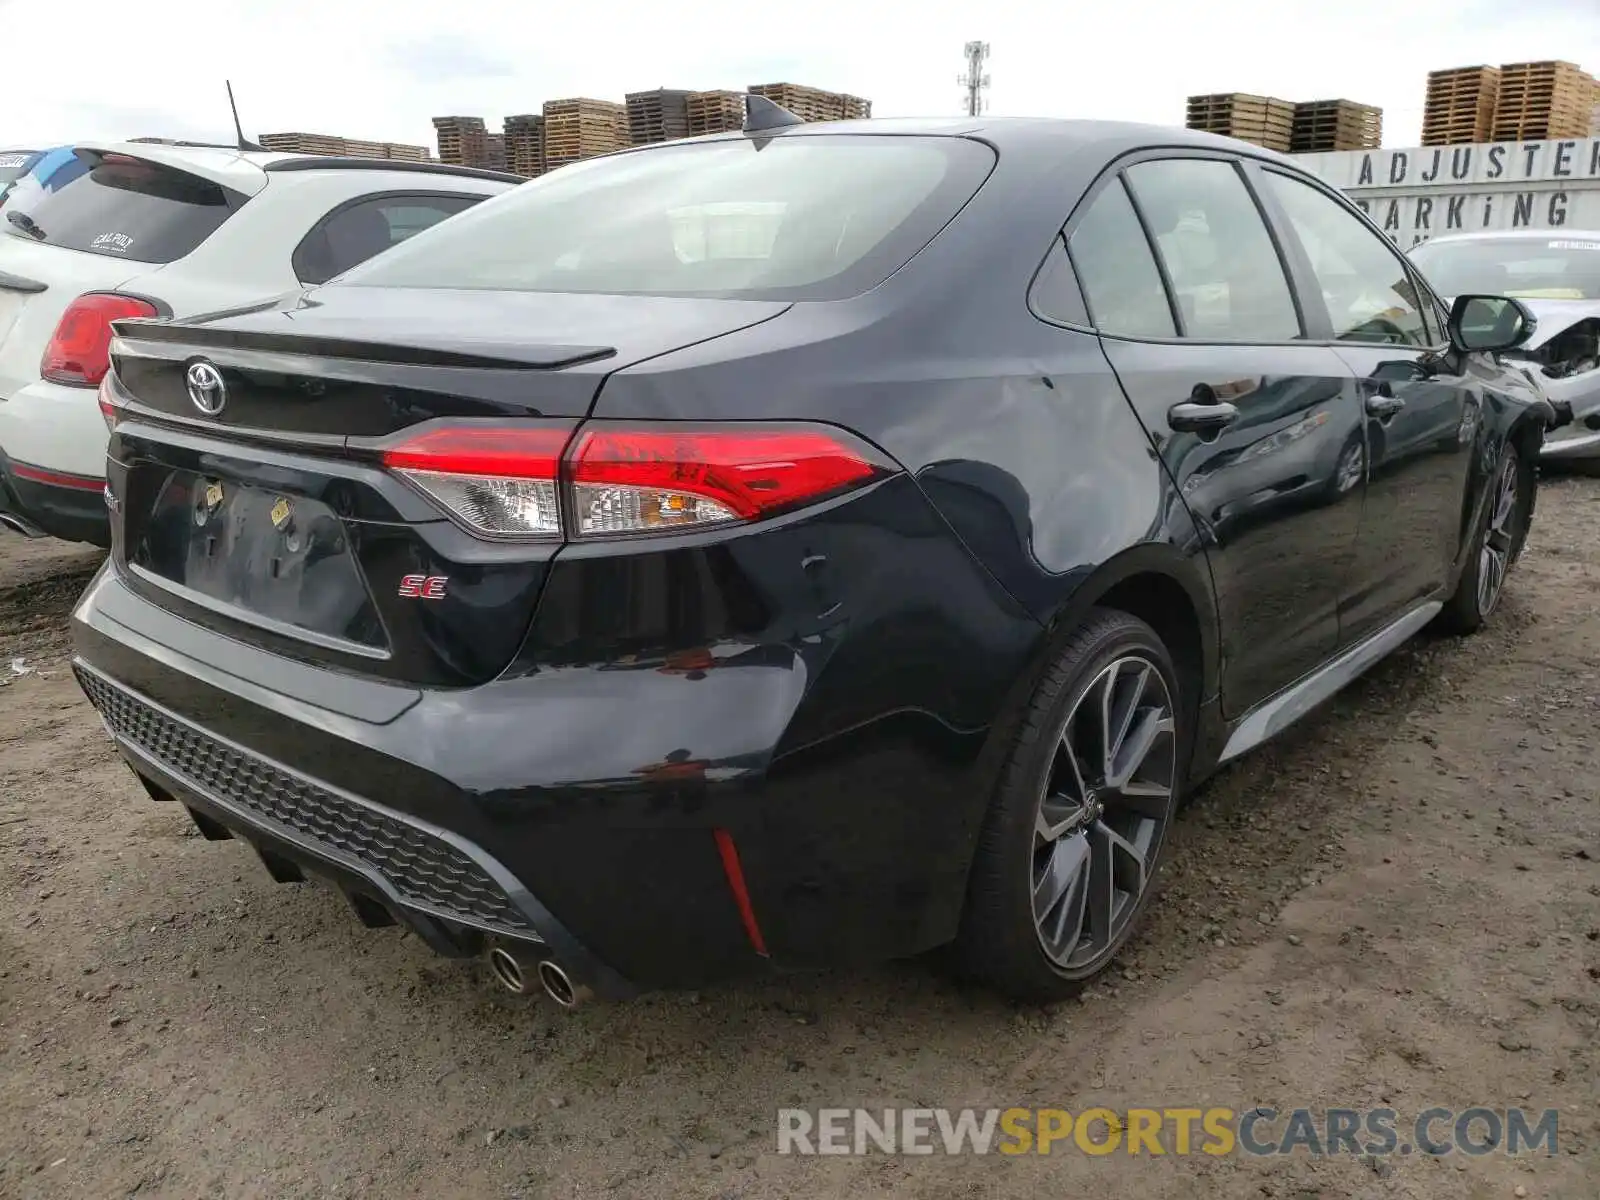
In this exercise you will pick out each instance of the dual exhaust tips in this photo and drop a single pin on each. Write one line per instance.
(520, 971)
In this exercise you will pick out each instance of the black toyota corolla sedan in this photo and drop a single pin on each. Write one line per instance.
(796, 547)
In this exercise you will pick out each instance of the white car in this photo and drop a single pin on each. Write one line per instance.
(1556, 275)
(140, 229)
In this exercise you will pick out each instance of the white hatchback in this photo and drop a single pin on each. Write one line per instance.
(141, 229)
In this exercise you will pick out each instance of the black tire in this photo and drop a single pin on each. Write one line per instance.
(1496, 543)
(1113, 663)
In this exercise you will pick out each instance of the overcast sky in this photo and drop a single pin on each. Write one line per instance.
(75, 69)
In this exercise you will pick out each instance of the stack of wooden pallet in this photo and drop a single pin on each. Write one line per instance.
(1323, 125)
(581, 128)
(657, 116)
(328, 143)
(525, 144)
(1460, 106)
(807, 103)
(1543, 100)
(714, 112)
(1263, 120)
(462, 140)
(854, 108)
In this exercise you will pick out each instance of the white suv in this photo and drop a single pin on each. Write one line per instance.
(138, 229)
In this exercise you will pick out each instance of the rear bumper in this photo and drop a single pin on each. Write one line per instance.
(589, 807)
(392, 868)
(70, 507)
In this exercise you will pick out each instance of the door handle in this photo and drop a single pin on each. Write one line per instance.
(1190, 417)
(1381, 402)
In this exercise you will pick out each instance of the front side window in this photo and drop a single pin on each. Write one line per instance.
(1120, 279)
(1226, 275)
(1365, 284)
(119, 206)
(793, 217)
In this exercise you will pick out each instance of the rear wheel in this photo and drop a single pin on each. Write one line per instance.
(1071, 842)
(1501, 530)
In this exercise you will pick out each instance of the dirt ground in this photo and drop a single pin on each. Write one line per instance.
(1397, 905)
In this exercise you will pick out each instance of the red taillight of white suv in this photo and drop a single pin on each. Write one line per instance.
(79, 352)
(618, 478)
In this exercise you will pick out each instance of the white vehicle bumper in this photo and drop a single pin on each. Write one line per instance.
(53, 460)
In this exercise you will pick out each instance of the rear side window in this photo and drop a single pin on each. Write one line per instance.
(125, 208)
(1226, 275)
(353, 233)
(1119, 275)
(792, 217)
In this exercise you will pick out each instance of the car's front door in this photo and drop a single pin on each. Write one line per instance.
(1422, 412)
(1259, 429)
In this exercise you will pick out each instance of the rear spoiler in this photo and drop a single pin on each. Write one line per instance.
(230, 346)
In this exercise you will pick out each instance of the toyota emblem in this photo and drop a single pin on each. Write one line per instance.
(206, 390)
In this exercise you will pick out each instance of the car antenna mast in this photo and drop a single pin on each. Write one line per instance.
(244, 143)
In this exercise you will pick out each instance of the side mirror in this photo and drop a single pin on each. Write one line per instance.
(1490, 323)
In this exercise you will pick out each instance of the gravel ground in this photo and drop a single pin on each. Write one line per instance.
(1396, 905)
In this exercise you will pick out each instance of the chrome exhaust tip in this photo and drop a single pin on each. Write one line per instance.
(560, 986)
(510, 971)
(20, 524)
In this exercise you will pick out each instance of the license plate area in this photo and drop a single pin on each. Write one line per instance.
(271, 558)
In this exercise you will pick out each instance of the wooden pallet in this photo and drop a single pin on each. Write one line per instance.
(1459, 105)
(462, 140)
(580, 127)
(525, 144)
(807, 103)
(714, 112)
(1325, 125)
(660, 115)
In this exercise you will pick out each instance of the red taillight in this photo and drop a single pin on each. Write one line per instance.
(634, 480)
(80, 349)
(626, 479)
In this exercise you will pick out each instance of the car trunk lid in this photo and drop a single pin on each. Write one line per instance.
(273, 519)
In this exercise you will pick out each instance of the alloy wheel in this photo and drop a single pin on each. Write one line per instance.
(1350, 469)
(1102, 812)
(1494, 558)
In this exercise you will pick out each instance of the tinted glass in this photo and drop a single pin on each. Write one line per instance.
(791, 217)
(1055, 292)
(122, 207)
(12, 164)
(356, 232)
(1364, 282)
(1535, 268)
(1119, 275)
(1225, 272)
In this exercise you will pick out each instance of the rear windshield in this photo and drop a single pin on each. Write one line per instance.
(791, 217)
(119, 206)
(12, 164)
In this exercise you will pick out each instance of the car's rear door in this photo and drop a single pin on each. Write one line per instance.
(1258, 426)
(1422, 409)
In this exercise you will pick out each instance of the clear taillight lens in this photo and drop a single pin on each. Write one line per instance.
(514, 481)
(495, 505)
(108, 402)
(496, 480)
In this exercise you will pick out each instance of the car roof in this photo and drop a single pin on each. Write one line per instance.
(246, 171)
(1034, 134)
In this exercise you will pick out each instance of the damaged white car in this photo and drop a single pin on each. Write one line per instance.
(1556, 273)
